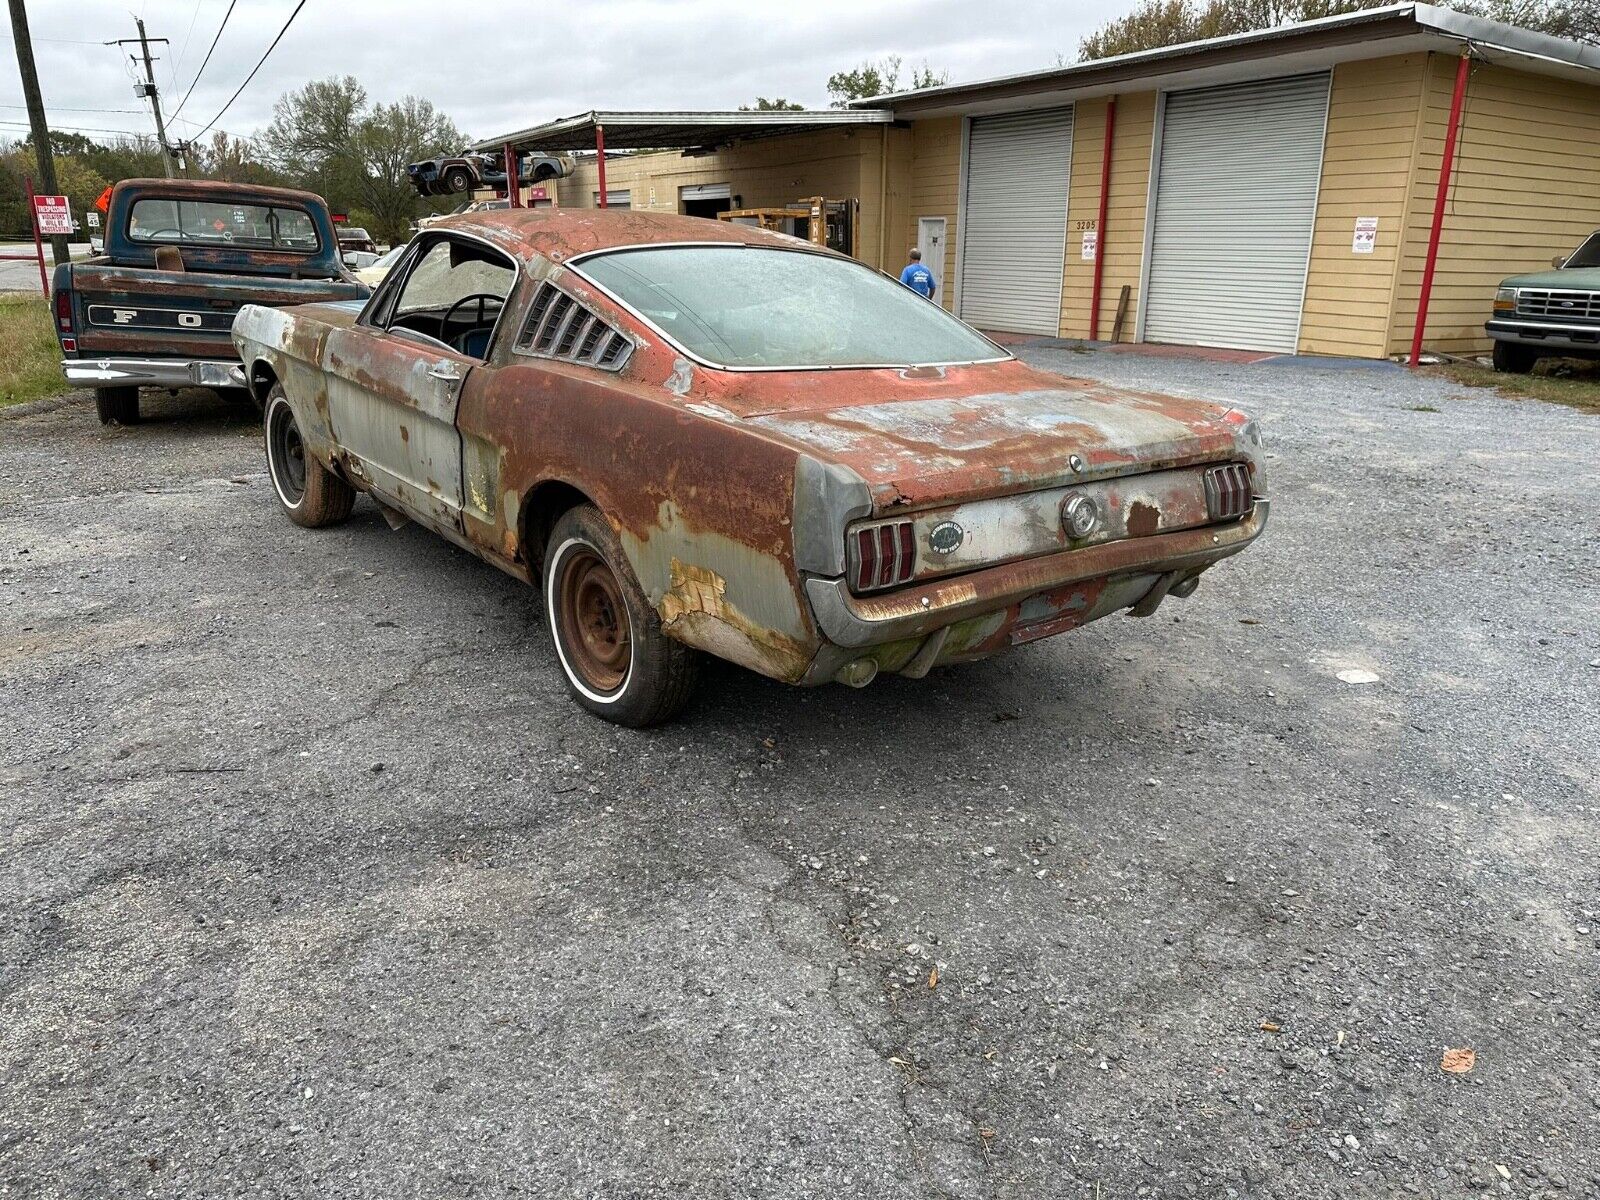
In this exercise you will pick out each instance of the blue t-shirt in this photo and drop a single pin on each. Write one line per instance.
(919, 279)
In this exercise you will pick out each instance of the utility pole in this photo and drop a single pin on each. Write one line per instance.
(149, 90)
(36, 120)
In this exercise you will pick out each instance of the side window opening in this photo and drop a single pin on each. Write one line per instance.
(454, 295)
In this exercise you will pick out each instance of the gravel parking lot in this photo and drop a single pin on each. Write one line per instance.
(315, 884)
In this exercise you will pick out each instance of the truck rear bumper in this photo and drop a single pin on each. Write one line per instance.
(153, 372)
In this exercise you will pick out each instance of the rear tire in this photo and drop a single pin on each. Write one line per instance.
(311, 495)
(117, 405)
(618, 663)
(1514, 358)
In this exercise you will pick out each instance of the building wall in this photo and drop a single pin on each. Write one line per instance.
(1526, 188)
(1121, 242)
(1367, 160)
(838, 164)
(934, 190)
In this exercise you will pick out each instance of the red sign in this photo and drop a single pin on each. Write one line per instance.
(218, 225)
(53, 214)
(538, 193)
(339, 218)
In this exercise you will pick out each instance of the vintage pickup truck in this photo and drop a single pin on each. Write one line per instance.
(181, 258)
(699, 436)
(1550, 313)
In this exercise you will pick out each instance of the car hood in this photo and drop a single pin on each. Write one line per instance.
(942, 435)
(1576, 278)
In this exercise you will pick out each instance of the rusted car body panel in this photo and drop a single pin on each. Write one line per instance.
(732, 492)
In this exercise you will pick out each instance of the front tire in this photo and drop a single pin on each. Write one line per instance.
(618, 663)
(311, 495)
(1514, 358)
(456, 179)
(117, 405)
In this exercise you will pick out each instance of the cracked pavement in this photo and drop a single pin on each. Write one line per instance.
(315, 883)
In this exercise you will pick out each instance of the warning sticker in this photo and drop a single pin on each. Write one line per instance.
(1366, 236)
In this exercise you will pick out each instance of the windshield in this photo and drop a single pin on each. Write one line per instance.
(209, 222)
(753, 306)
(1588, 254)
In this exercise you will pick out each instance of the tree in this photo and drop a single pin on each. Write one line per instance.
(762, 104)
(880, 78)
(387, 139)
(1155, 23)
(312, 137)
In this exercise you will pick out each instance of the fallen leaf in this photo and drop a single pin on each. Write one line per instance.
(1269, 1027)
(1457, 1062)
(933, 976)
(1248, 621)
(985, 1133)
(899, 1062)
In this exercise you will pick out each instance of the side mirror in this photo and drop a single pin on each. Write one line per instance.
(350, 259)
(1559, 261)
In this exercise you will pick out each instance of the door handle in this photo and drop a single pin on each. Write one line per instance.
(445, 371)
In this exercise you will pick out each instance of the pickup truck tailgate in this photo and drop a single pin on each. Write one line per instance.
(182, 314)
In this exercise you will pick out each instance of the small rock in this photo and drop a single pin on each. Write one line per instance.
(988, 851)
(815, 864)
(1352, 1141)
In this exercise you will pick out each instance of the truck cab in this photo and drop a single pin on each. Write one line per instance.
(1552, 313)
(181, 257)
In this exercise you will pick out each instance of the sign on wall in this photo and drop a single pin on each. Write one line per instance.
(1366, 236)
(1091, 244)
(539, 193)
(54, 215)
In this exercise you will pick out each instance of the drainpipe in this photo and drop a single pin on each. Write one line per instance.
(1441, 196)
(513, 184)
(1100, 224)
(600, 155)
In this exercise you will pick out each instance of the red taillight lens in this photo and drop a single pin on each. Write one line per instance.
(64, 311)
(882, 555)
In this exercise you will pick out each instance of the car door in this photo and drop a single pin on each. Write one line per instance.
(395, 377)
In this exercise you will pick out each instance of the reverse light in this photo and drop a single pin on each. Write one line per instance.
(1505, 301)
(1080, 515)
(881, 555)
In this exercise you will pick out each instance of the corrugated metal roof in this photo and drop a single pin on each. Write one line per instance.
(679, 130)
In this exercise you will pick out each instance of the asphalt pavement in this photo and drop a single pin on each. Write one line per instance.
(21, 274)
(314, 883)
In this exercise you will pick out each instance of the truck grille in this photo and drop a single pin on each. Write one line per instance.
(1546, 304)
(1228, 492)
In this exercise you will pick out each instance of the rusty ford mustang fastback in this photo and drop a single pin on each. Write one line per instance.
(697, 436)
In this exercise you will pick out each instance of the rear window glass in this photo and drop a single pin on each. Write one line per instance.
(219, 223)
(755, 307)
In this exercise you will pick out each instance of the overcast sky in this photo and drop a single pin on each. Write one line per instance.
(496, 67)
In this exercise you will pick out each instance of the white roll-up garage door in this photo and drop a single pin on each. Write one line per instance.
(1014, 226)
(1236, 199)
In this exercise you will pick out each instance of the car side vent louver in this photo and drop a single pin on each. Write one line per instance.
(559, 327)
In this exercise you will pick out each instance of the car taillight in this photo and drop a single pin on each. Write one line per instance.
(1228, 492)
(64, 319)
(881, 555)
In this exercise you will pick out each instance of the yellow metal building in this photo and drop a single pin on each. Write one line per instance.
(1273, 191)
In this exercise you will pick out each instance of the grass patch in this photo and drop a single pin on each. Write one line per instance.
(30, 359)
(1571, 382)
(1423, 408)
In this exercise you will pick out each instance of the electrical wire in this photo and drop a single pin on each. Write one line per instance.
(256, 68)
(207, 59)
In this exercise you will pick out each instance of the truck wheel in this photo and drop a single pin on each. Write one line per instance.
(119, 405)
(618, 663)
(457, 179)
(1515, 358)
(311, 495)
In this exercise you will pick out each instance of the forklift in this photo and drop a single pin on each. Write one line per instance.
(835, 224)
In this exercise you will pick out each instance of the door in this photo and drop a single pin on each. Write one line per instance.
(930, 240)
(705, 199)
(395, 378)
(1236, 200)
(615, 198)
(1014, 223)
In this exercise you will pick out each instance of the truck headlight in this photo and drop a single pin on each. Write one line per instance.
(1505, 301)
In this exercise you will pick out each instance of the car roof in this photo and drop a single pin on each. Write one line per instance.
(558, 234)
(216, 189)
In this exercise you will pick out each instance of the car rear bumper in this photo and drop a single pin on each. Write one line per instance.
(1024, 600)
(1576, 339)
(153, 372)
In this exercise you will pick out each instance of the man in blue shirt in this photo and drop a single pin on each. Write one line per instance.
(917, 277)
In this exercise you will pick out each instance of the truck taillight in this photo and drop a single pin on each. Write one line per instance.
(64, 319)
(881, 555)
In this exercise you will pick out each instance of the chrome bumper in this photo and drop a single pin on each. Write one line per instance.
(153, 372)
(860, 621)
(1584, 338)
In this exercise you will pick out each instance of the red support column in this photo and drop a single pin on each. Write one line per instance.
(38, 243)
(1100, 224)
(1441, 197)
(600, 155)
(513, 184)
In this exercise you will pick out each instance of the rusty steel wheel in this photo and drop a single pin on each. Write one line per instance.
(594, 620)
(311, 495)
(608, 638)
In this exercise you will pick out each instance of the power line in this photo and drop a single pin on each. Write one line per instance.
(257, 67)
(138, 112)
(207, 59)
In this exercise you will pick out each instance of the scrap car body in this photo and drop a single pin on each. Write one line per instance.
(809, 524)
